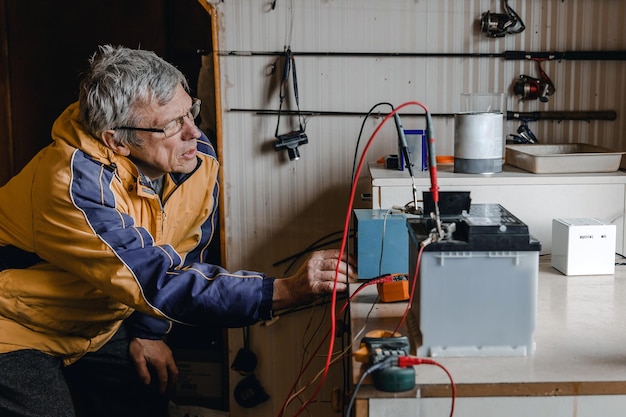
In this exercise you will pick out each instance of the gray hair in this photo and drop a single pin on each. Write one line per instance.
(119, 82)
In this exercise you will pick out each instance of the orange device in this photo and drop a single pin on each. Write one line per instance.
(394, 290)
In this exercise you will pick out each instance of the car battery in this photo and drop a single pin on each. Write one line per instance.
(476, 291)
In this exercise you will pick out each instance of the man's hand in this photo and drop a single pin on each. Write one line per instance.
(315, 277)
(156, 356)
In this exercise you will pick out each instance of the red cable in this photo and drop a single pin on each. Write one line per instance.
(413, 285)
(378, 280)
(406, 361)
(342, 249)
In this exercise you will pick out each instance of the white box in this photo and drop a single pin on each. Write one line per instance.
(583, 246)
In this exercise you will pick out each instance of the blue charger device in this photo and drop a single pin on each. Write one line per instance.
(382, 242)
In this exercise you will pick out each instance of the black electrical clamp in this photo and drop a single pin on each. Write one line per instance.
(290, 141)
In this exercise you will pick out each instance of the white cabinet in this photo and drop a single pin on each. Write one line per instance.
(576, 370)
(535, 199)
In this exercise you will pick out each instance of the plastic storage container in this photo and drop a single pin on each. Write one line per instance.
(563, 158)
(476, 294)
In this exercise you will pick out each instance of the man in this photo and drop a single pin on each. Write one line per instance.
(103, 238)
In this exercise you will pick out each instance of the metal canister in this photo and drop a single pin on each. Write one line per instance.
(478, 142)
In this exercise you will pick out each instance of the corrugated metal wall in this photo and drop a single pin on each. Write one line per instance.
(274, 207)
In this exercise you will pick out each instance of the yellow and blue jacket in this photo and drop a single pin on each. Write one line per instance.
(84, 244)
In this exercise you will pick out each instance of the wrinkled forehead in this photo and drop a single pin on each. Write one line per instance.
(159, 114)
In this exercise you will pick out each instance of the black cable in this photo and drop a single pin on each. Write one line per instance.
(289, 67)
(340, 296)
(386, 363)
(311, 248)
(358, 141)
(298, 254)
(354, 181)
(353, 184)
(346, 359)
(246, 340)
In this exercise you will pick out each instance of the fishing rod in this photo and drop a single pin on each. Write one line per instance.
(510, 115)
(526, 135)
(526, 87)
(561, 115)
(612, 55)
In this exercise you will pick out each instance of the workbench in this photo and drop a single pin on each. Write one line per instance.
(578, 368)
(535, 199)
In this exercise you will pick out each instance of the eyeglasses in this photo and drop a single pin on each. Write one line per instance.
(172, 127)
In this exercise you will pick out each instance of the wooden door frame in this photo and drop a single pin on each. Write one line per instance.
(210, 9)
(7, 161)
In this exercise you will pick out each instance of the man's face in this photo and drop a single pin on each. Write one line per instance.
(158, 155)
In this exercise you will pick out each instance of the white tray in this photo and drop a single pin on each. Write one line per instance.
(563, 158)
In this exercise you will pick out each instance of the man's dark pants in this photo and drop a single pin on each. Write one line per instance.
(103, 384)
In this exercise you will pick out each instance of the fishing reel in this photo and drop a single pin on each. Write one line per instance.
(530, 88)
(496, 25)
(524, 135)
